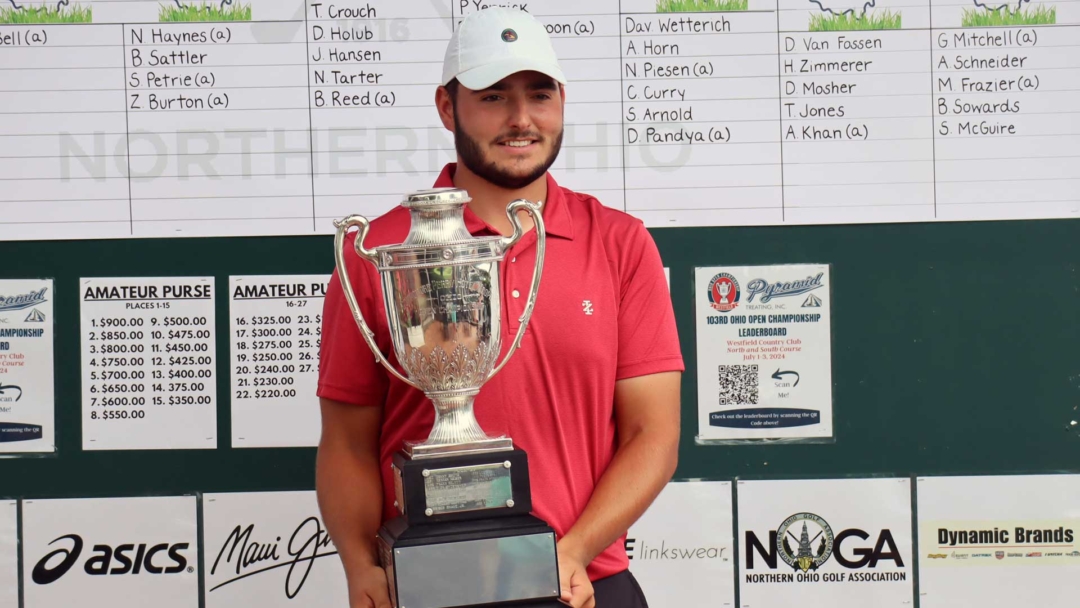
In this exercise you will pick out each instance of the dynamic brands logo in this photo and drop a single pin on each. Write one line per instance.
(1003, 536)
(999, 554)
(806, 542)
(250, 557)
(1073, 554)
(1035, 554)
(21, 301)
(937, 555)
(956, 555)
(9, 393)
(130, 558)
(724, 292)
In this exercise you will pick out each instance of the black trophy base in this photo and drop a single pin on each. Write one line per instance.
(493, 562)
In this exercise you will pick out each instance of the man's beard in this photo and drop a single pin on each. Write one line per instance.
(472, 157)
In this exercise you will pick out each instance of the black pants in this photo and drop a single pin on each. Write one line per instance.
(619, 591)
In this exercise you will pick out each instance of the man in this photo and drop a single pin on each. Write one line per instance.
(592, 393)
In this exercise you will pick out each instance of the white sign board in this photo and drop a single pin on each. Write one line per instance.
(26, 366)
(269, 117)
(275, 331)
(999, 541)
(149, 380)
(269, 549)
(682, 550)
(764, 353)
(9, 553)
(121, 552)
(832, 543)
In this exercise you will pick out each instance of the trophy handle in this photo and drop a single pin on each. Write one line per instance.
(343, 227)
(507, 242)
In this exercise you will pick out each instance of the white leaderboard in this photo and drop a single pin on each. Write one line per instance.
(138, 118)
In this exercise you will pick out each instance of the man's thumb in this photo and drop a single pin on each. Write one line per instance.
(564, 586)
(380, 597)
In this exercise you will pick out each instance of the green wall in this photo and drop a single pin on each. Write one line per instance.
(956, 350)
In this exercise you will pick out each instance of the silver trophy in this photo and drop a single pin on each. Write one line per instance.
(442, 297)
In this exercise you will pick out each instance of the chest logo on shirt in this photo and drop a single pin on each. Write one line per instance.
(586, 306)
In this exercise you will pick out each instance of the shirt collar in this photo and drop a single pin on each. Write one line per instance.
(556, 214)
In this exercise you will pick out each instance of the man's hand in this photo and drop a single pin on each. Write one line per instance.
(368, 588)
(577, 589)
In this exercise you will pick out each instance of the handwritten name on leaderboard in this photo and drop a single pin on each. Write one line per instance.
(155, 58)
(677, 25)
(215, 35)
(333, 11)
(842, 42)
(24, 38)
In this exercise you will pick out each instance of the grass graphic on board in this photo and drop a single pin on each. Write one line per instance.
(700, 6)
(1004, 15)
(63, 12)
(885, 20)
(207, 11)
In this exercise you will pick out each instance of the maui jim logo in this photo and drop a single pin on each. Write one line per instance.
(248, 556)
(780, 290)
(22, 301)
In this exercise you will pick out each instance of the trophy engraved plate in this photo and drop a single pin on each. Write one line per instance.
(458, 489)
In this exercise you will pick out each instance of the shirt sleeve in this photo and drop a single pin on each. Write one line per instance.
(648, 336)
(348, 369)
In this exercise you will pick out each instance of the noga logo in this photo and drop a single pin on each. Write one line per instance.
(145, 558)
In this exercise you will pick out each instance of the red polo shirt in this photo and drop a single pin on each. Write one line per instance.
(603, 313)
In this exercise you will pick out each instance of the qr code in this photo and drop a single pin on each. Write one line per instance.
(738, 384)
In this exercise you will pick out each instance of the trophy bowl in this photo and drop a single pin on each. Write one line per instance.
(441, 293)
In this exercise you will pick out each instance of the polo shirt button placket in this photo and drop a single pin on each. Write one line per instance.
(513, 296)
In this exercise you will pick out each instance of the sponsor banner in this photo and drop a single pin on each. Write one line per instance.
(269, 549)
(764, 353)
(997, 541)
(275, 325)
(148, 363)
(681, 550)
(26, 366)
(9, 553)
(126, 552)
(825, 543)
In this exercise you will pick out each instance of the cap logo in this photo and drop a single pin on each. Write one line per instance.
(509, 35)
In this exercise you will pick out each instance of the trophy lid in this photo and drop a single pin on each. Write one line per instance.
(435, 198)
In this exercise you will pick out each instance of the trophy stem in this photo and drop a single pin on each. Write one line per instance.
(456, 430)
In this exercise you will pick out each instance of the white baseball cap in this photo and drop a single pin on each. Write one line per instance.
(493, 43)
